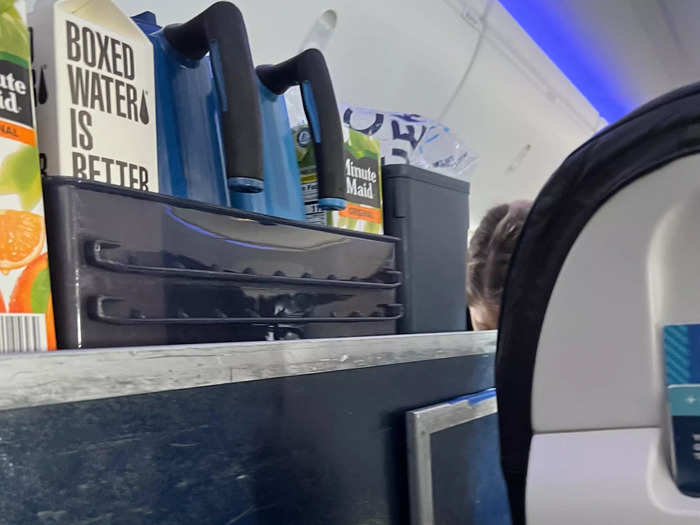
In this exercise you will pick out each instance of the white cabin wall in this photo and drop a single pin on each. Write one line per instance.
(518, 112)
(515, 109)
(376, 58)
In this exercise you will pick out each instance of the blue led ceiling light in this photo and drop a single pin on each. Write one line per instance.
(551, 24)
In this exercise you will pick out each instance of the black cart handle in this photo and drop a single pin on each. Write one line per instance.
(99, 309)
(220, 31)
(97, 254)
(309, 71)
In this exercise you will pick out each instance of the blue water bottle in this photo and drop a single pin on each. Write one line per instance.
(208, 113)
(282, 195)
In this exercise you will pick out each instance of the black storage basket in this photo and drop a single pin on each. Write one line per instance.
(131, 268)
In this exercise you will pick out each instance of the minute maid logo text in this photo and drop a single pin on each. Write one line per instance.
(15, 98)
(107, 86)
(361, 181)
(11, 89)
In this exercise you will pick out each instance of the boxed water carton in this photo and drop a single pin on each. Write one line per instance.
(682, 357)
(95, 93)
(363, 182)
(26, 314)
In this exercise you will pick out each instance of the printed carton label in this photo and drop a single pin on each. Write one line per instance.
(363, 192)
(108, 109)
(362, 181)
(26, 319)
(15, 98)
(95, 89)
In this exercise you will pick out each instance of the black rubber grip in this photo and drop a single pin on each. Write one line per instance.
(309, 71)
(220, 31)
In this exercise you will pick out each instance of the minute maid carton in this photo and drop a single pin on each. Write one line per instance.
(26, 314)
(682, 357)
(363, 182)
(94, 79)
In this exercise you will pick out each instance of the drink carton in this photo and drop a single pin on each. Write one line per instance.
(95, 92)
(26, 314)
(363, 182)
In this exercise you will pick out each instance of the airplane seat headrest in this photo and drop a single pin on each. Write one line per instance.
(648, 139)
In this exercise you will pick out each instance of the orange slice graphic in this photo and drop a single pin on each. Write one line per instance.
(22, 238)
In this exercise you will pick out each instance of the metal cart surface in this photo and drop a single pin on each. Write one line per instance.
(292, 432)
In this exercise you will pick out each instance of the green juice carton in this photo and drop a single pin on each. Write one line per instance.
(26, 313)
(363, 182)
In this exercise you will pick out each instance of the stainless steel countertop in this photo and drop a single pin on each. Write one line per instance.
(58, 377)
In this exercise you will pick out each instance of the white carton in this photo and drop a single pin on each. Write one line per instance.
(94, 82)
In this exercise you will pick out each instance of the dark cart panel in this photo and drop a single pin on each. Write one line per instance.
(313, 449)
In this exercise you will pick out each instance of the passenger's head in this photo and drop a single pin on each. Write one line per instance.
(490, 250)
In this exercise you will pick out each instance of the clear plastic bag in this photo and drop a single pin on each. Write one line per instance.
(412, 139)
(404, 138)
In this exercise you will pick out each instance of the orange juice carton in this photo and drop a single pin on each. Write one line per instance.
(95, 91)
(26, 314)
(363, 182)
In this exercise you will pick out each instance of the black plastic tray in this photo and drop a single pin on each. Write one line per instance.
(130, 268)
